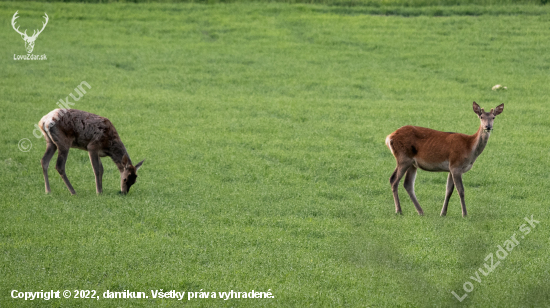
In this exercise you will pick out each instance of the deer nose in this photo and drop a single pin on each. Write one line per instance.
(488, 127)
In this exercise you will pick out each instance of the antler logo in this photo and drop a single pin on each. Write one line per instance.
(29, 40)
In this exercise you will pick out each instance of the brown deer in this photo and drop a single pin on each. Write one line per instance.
(431, 150)
(69, 128)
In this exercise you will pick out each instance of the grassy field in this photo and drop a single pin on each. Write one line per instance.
(346, 3)
(263, 129)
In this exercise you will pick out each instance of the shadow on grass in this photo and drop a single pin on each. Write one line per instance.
(391, 265)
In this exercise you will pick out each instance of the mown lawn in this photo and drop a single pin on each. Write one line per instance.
(263, 129)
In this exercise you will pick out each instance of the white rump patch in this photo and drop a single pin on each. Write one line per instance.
(388, 143)
(48, 121)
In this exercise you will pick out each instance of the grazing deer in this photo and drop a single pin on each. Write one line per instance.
(418, 147)
(69, 128)
(29, 40)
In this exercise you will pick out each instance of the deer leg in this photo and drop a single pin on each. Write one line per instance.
(394, 181)
(409, 186)
(457, 178)
(100, 174)
(60, 167)
(448, 193)
(98, 171)
(45, 162)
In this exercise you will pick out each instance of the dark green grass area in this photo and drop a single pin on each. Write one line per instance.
(263, 129)
(345, 3)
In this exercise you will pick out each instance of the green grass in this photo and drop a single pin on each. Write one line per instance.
(263, 129)
(346, 3)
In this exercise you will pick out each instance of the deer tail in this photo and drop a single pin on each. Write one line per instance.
(45, 131)
(389, 143)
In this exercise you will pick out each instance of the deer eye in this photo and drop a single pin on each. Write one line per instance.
(125, 180)
(481, 117)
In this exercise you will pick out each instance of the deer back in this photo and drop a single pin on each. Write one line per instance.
(83, 130)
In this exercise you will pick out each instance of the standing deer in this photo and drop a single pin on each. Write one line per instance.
(69, 128)
(418, 147)
(29, 40)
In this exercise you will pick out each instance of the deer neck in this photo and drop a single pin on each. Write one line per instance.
(117, 151)
(480, 139)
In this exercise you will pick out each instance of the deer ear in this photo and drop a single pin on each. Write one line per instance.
(125, 161)
(499, 109)
(139, 165)
(477, 109)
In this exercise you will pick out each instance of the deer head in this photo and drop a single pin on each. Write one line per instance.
(128, 175)
(487, 118)
(29, 40)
